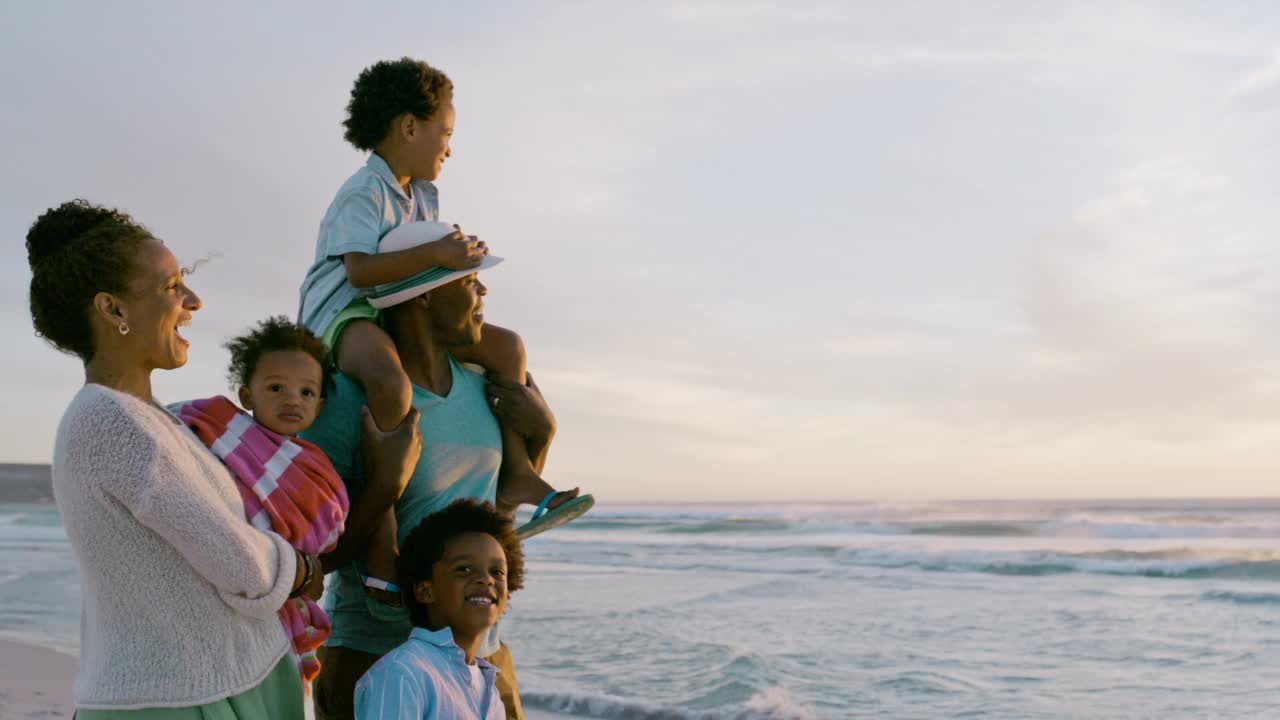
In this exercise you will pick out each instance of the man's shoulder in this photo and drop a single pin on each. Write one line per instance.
(344, 384)
(466, 394)
(472, 376)
(339, 417)
(345, 395)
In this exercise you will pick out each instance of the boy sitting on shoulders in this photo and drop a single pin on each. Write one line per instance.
(457, 568)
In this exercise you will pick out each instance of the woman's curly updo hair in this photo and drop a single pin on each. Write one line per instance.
(388, 89)
(275, 334)
(426, 544)
(76, 251)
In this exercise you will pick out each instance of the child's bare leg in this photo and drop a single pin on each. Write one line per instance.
(366, 353)
(502, 351)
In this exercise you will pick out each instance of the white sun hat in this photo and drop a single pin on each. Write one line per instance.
(412, 235)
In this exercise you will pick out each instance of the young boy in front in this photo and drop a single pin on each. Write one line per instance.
(457, 568)
(402, 113)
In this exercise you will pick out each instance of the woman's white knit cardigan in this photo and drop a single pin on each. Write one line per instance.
(180, 593)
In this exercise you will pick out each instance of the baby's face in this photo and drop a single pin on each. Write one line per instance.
(284, 392)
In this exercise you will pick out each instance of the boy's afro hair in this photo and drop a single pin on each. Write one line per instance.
(388, 89)
(426, 544)
(275, 334)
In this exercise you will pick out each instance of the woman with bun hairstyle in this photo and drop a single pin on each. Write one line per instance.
(180, 593)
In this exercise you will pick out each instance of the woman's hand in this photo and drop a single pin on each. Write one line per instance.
(303, 585)
(315, 588)
(521, 408)
(392, 456)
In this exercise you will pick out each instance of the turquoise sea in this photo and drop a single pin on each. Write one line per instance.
(1142, 609)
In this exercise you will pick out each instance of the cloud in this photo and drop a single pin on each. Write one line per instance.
(1159, 259)
(1153, 304)
(1261, 81)
(720, 13)
(908, 56)
(1032, 254)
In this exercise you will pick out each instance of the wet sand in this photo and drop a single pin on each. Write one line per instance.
(35, 684)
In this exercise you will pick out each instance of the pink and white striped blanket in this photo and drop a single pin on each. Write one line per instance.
(289, 487)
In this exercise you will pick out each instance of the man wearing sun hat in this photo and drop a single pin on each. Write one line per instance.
(461, 455)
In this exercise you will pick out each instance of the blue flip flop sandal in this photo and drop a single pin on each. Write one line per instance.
(545, 519)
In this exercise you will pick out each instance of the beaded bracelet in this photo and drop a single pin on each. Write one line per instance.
(308, 573)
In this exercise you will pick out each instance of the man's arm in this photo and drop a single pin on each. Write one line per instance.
(359, 526)
(525, 411)
(390, 458)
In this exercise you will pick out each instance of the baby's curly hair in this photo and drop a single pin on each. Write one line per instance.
(76, 251)
(387, 89)
(275, 334)
(426, 543)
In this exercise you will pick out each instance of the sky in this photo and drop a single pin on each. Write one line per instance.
(757, 251)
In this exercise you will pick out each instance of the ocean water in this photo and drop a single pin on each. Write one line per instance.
(1151, 609)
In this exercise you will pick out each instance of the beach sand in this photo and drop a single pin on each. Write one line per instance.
(35, 684)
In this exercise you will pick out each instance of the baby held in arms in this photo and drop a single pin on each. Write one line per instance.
(287, 484)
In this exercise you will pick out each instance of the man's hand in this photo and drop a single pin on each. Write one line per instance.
(521, 407)
(460, 252)
(392, 456)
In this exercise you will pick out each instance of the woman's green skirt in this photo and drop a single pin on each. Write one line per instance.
(278, 697)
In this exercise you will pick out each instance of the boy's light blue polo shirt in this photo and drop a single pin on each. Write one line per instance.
(428, 677)
(369, 204)
(461, 455)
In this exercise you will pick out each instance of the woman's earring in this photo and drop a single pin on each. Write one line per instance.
(124, 328)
